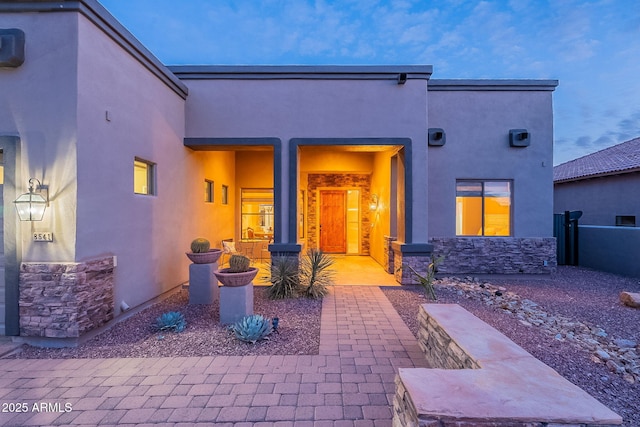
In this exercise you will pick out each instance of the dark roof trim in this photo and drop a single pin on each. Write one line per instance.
(491, 85)
(102, 19)
(306, 72)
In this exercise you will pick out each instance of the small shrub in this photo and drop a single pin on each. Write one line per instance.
(426, 281)
(316, 274)
(284, 277)
(171, 321)
(239, 263)
(200, 245)
(252, 328)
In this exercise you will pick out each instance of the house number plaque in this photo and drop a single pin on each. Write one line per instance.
(43, 236)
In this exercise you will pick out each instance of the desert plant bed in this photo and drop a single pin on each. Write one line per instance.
(298, 332)
(577, 295)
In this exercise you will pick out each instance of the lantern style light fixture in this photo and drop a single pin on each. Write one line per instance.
(31, 205)
(373, 206)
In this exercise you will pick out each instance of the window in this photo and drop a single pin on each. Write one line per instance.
(483, 208)
(625, 220)
(256, 209)
(143, 177)
(208, 191)
(225, 194)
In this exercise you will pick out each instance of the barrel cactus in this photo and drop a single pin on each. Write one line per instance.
(252, 328)
(238, 263)
(200, 245)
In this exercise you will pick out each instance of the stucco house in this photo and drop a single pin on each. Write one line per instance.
(137, 158)
(604, 185)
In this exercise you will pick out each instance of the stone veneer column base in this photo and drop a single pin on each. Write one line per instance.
(416, 255)
(388, 259)
(495, 255)
(65, 300)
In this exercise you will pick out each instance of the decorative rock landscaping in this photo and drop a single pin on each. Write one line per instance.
(620, 355)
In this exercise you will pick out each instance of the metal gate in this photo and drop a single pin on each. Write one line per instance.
(565, 230)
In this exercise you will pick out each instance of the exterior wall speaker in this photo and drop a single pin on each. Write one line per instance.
(11, 48)
(437, 137)
(519, 138)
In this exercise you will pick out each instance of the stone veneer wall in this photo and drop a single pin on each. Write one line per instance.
(404, 276)
(440, 350)
(496, 255)
(65, 300)
(388, 257)
(338, 180)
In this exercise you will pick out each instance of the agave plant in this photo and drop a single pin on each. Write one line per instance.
(284, 277)
(171, 321)
(316, 273)
(252, 328)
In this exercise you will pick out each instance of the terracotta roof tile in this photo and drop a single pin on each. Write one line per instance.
(620, 158)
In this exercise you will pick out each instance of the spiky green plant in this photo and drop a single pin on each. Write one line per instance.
(200, 245)
(252, 328)
(171, 321)
(284, 277)
(426, 281)
(316, 274)
(238, 263)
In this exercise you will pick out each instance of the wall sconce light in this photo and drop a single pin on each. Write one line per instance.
(373, 206)
(402, 78)
(437, 137)
(519, 138)
(31, 205)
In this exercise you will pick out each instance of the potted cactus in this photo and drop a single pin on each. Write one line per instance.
(201, 252)
(239, 272)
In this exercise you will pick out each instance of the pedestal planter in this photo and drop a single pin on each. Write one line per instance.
(236, 302)
(227, 278)
(205, 257)
(203, 286)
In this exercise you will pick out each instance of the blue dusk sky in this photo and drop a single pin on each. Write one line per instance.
(591, 47)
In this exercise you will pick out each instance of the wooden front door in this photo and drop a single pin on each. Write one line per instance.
(333, 224)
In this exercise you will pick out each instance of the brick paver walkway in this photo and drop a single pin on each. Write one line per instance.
(350, 383)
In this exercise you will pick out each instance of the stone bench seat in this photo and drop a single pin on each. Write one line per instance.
(479, 377)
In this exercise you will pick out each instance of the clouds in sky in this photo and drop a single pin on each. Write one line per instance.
(592, 46)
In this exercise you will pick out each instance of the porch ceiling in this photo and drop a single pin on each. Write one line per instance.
(349, 148)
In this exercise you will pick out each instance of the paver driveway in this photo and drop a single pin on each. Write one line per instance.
(350, 383)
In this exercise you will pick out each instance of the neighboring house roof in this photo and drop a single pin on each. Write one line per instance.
(621, 158)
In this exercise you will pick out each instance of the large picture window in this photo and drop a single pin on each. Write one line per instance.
(483, 208)
(257, 213)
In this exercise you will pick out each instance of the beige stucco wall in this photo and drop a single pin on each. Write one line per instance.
(148, 233)
(38, 102)
(381, 217)
(477, 124)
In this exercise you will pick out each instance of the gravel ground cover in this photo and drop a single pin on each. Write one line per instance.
(298, 332)
(584, 295)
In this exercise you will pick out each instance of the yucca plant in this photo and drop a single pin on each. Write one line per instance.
(316, 274)
(252, 328)
(284, 277)
(426, 281)
(171, 321)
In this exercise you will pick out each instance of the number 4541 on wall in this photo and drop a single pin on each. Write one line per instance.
(43, 236)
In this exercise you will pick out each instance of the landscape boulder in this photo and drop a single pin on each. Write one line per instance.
(630, 299)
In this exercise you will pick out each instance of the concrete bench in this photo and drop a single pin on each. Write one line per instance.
(481, 378)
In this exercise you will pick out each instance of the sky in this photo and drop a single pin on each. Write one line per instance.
(591, 47)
